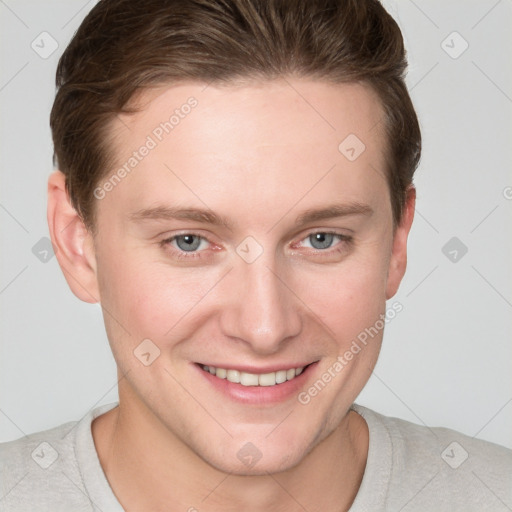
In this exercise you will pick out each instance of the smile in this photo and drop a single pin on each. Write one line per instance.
(254, 379)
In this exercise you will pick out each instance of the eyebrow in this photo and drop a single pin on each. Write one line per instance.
(206, 216)
(170, 213)
(333, 211)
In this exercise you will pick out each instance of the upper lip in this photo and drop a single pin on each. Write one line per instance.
(259, 369)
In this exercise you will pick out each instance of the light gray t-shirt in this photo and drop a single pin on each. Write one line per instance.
(410, 468)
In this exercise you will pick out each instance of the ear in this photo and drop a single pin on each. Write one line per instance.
(73, 242)
(398, 261)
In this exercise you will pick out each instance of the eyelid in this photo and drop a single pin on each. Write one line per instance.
(342, 236)
(197, 254)
(168, 241)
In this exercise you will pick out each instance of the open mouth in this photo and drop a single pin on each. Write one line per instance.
(255, 379)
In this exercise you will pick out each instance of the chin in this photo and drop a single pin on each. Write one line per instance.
(262, 467)
(245, 458)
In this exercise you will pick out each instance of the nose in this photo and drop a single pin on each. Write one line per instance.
(262, 310)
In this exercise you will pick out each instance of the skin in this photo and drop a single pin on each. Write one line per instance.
(259, 154)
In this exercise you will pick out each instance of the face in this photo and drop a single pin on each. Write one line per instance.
(249, 239)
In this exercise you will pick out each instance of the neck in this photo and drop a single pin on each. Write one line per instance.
(149, 468)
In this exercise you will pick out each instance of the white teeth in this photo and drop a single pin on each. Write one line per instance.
(233, 376)
(267, 379)
(280, 376)
(248, 379)
(253, 379)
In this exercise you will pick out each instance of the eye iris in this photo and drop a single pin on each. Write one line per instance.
(191, 242)
(324, 240)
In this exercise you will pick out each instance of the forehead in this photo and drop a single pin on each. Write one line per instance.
(265, 145)
(264, 107)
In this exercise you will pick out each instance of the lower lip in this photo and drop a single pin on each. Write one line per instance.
(258, 395)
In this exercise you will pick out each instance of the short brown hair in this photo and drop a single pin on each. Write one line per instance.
(124, 46)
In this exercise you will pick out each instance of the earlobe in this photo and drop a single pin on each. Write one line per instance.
(73, 242)
(398, 260)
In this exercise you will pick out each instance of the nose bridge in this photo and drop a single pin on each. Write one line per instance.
(263, 311)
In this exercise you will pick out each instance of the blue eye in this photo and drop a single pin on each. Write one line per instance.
(188, 246)
(324, 240)
(188, 242)
(185, 246)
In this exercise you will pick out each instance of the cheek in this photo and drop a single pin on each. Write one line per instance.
(350, 298)
(151, 299)
(131, 294)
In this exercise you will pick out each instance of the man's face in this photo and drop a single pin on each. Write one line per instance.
(262, 294)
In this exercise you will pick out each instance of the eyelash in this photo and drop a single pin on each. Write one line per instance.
(184, 255)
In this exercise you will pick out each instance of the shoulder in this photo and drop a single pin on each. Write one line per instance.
(48, 468)
(39, 468)
(20, 451)
(436, 468)
(420, 443)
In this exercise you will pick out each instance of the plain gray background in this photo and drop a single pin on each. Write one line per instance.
(446, 358)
